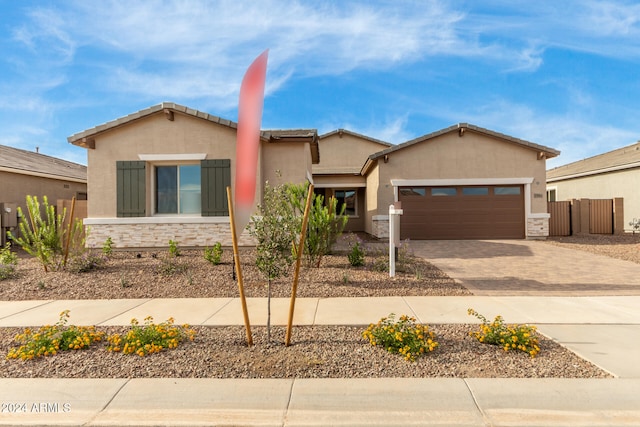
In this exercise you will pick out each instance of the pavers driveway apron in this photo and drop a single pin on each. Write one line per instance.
(529, 267)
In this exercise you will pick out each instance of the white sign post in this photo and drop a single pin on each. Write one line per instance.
(394, 236)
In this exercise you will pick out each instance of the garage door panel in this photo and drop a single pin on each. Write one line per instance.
(496, 213)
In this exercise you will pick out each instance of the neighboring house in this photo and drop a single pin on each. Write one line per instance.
(605, 176)
(25, 173)
(161, 174)
(338, 172)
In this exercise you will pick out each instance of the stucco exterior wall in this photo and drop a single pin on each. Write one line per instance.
(15, 188)
(472, 156)
(286, 162)
(604, 186)
(344, 153)
(152, 135)
(371, 200)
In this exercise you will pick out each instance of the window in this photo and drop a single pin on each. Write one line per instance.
(443, 191)
(348, 198)
(178, 189)
(475, 191)
(552, 195)
(413, 191)
(506, 191)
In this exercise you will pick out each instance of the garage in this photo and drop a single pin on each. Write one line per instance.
(462, 212)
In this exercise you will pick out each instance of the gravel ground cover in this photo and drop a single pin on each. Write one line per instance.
(154, 274)
(318, 351)
(315, 352)
(625, 246)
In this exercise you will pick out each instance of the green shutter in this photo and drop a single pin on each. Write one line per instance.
(216, 177)
(131, 188)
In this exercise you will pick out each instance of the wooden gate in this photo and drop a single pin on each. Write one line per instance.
(601, 216)
(560, 220)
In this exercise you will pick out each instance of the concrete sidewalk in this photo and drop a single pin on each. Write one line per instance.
(321, 402)
(600, 329)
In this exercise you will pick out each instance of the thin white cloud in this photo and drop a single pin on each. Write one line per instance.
(576, 137)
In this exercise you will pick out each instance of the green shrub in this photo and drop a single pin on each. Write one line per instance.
(107, 247)
(509, 337)
(49, 340)
(8, 262)
(405, 336)
(149, 338)
(326, 222)
(174, 250)
(213, 254)
(356, 255)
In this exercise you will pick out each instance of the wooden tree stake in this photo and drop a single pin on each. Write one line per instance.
(236, 260)
(296, 274)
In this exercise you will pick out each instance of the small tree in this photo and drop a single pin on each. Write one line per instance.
(275, 231)
(326, 223)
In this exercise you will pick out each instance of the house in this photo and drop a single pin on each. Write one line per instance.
(25, 173)
(160, 174)
(615, 174)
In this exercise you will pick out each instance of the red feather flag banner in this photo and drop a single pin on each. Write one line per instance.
(248, 142)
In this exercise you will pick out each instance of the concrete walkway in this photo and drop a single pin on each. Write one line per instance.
(604, 329)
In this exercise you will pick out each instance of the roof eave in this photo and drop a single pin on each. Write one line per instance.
(86, 138)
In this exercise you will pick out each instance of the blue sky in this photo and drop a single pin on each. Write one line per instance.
(562, 74)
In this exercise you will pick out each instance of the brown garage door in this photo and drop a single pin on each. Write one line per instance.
(462, 212)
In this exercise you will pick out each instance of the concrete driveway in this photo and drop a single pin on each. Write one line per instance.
(528, 267)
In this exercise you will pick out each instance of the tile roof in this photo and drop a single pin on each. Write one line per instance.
(461, 127)
(622, 158)
(348, 132)
(84, 138)
(295, 135)
(81, 138)
(31, 163)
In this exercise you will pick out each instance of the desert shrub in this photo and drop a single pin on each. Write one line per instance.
(8, 262)
(405, 336)
(149, 338)
(214, 254)
(43, 235)
(107, 247)
(509, 337)
(356, 255)
(174, 249)
(49, 340)
(326, 223)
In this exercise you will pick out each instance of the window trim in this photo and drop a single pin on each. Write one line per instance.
(154, 189)
(355, 192)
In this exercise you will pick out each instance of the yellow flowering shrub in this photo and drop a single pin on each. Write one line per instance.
(49, 340)
(149, 338)
(509, 337)
(405, 336)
